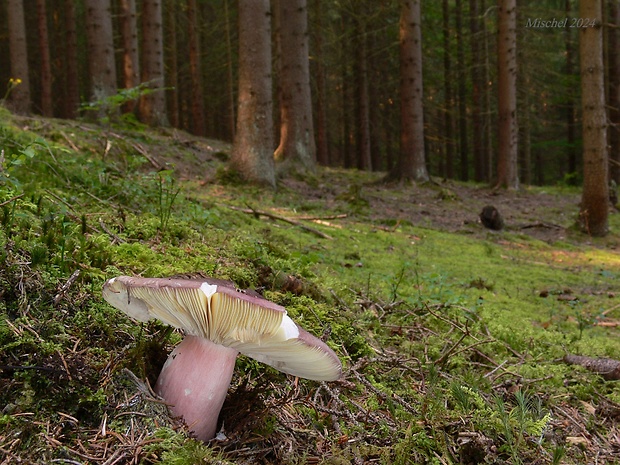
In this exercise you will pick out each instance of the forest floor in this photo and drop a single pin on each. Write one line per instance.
(458, 343)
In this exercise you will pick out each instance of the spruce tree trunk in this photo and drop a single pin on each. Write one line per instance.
(19, 97)
(296, 151)
(252, 154)
(129, 35)
(462, 93)
(364, 161)
(613, 50)
(101, 63)
(322, 131)
(152, 107)
(198, 124)
(594, 207)
(507, 174)
(72, 89)
(46, 65)
(411, 165)
(448, 133)
(477, 81)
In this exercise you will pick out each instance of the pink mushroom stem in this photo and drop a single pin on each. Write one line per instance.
(195, 380)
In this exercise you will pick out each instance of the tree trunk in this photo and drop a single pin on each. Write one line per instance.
(231, 84)
(477, 81)
(152, 107)
(252, 154)
(129, 34)
(571, 137)
(46, 65)
(19, 97)
(448, 94)
(171, 16)
(72, 88)
(363, 105)
(322, 137)
(462, 93)
(411, 162)
(613, 48)
(296, 151)
(198, 124)
(507, 174)
(101, 63)
(594, 207)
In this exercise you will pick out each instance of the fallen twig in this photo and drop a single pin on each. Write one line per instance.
(65, 287)
(257, 213)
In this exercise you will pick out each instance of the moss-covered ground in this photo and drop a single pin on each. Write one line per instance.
(452, 337)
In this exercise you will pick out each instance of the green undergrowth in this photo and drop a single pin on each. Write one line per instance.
(452, 343)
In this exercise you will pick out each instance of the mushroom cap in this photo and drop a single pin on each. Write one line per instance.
(214, 309)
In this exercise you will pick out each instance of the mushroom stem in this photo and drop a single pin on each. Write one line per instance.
(195, 380)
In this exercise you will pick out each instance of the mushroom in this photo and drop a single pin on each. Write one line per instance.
(219, 322)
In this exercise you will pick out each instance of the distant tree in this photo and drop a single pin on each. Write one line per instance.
(252, 153)
(448, 91)
(152, 106)
(19, 98)
(411, 164)
(71, 90)
(613, 51)
(507, 174)
(477, 81)
(46, 65)
(462, 92)
(594, 207)
(198, 125)
(296, 150)
(322, 142)
(569, 70)
(364, 160)
(129, 35)
(101, 60)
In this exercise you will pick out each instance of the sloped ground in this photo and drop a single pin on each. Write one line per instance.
(434, 372)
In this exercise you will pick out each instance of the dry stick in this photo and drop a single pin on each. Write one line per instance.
(252, 211)
(65, 287)
(11, 200)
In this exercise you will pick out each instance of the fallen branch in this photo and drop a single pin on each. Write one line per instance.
(608, 368)
(257, 213)
(65, 287)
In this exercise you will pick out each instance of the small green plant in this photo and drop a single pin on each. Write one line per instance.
(12, 84)
(167, 192)
(106, 108)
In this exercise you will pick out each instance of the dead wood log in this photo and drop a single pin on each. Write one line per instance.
(608, 368)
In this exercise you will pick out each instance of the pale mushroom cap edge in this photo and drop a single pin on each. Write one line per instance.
(215, 310)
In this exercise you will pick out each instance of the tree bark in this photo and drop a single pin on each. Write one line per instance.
(571, 136)
(19, 97)
(448, 171)
(507, 173)
(252, 154)
(613, 48)
(72, 89)
(411, 163)
(152, 106)
(594, 207)
(129, 35)
(46, 65)
(296, 151)
(198, 124)
(322, 135)
(101, 63)
(171, 17)
(477, 81)
(364, 161)
(462, 93)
